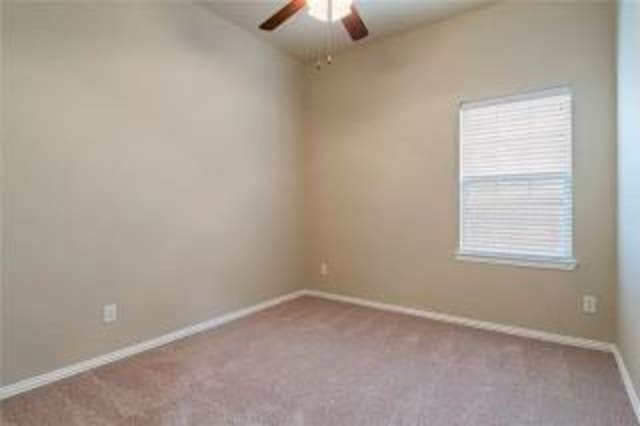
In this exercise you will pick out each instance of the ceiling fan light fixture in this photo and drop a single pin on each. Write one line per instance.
(319, 9)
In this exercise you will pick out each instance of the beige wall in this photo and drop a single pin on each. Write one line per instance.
(1, 202)
(629, 185)
(152, 160)
(381, 164)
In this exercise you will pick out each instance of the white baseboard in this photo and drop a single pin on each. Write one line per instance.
(500, 328)
(628, 383)
(62, 373)
(468, 322)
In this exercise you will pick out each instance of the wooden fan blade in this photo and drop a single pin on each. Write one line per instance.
(282, 15)
(354, 25)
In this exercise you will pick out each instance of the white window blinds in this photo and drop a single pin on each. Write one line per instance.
(516, 180)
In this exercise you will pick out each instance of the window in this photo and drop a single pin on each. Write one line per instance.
(516, 182)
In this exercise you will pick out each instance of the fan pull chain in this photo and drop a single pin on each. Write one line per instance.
(329, 40)
(329, 31)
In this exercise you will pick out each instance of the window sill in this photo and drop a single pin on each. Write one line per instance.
(562, 265)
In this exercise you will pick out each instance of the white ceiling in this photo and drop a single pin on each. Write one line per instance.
(305, 38)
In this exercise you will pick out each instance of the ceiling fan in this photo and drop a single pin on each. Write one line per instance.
(323, 10)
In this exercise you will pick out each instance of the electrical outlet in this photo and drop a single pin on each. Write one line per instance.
(109, 313)
(589, 304)
(324, 269)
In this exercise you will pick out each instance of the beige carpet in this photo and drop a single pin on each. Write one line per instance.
(315, 362)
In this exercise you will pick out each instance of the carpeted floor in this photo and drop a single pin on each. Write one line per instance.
(316, 362)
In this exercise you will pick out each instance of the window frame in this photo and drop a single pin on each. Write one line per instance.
(544, 262)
